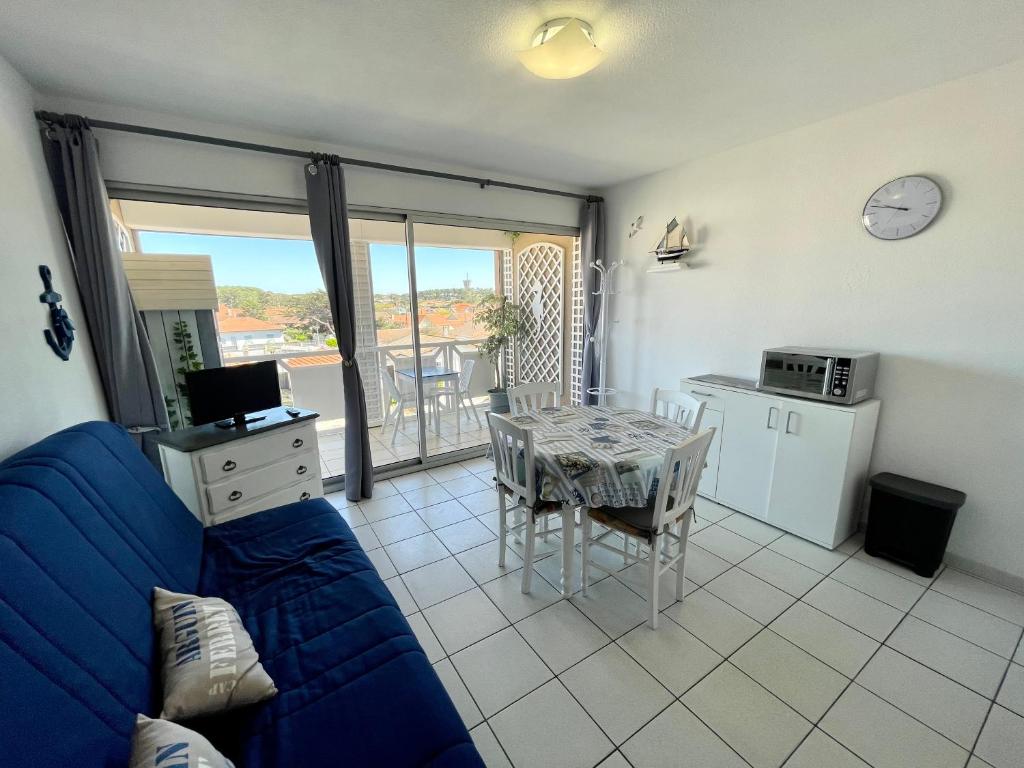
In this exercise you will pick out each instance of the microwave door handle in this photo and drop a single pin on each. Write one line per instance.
(826, 388)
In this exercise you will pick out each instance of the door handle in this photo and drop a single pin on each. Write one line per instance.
(768, 424)
(234, 496)
(297, 442)
(229, 465)
(301, 470)
(304, 496)
(789, 418)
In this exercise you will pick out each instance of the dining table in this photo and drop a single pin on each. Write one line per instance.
(597, 456)
(440, 380)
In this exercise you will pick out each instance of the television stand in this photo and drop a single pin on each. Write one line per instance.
(239, 420)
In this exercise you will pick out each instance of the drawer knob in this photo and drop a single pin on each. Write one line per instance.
(234, 496)
(301, 469)
(297, 442)
(229, 465)
(304, 496)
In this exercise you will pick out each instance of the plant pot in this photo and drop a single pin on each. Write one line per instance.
(499, 401)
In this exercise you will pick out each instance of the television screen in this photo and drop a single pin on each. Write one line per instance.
(221, 393)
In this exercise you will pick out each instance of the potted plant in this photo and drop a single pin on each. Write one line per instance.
(505, 323)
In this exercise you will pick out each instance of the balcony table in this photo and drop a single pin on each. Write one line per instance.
(437, 376)
(597, 456)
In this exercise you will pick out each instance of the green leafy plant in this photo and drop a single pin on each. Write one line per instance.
(189, 360)
(505, 324)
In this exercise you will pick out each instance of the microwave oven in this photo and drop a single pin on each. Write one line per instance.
(831, 375)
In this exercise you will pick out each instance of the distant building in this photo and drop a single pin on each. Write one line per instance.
(241, 333)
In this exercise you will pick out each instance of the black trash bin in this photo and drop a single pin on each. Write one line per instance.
(909, 521)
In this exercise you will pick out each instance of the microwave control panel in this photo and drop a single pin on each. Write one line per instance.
(841, 376)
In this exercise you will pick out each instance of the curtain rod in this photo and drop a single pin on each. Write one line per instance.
(53, 117)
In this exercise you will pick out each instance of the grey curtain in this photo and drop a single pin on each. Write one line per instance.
(592, 248)
(328, 220)
(123, 355)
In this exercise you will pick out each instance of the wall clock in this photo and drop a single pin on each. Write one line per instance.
(902, 207)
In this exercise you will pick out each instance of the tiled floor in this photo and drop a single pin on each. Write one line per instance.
(384, 452)
(782, 653)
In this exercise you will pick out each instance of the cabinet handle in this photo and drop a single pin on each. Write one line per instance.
(789, 417)
(234, 496)
(301, 469)
(702, 394)
(229, 465)
(297, 442)
(304, 496)
(768, 424)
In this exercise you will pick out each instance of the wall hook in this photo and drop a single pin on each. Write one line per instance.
(62, 337)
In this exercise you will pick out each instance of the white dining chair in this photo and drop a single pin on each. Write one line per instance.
(395, 403)
(515, 482)
(679, 407)
(672, 506)
(463, 400)
(533, 397)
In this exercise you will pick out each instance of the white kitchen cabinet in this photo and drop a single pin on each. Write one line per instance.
(709, 478)
(797, 464)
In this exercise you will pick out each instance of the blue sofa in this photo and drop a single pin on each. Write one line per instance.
(88, 528)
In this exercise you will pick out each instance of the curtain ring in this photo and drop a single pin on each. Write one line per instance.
(348, 363)
(312, 169)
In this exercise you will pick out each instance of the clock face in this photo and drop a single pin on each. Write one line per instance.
(902, 208)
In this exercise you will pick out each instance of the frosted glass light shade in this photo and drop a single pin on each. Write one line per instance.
(562, 49)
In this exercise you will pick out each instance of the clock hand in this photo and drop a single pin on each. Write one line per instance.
(894, 207)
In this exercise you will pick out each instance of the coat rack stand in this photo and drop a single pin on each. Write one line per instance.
(604, 290)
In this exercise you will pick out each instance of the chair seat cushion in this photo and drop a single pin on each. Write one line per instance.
(355, 687)
(634, 521)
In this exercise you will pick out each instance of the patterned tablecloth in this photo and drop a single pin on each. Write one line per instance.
(599, 456)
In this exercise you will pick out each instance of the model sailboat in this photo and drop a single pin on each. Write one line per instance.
(673, 243)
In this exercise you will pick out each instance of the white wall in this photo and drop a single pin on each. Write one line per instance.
(148, 160)
(784, 259)
(39, 393)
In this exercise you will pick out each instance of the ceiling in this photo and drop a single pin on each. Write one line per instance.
(438, 79)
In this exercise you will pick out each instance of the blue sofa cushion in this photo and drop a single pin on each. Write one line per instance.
(87, 529)
(355, 687)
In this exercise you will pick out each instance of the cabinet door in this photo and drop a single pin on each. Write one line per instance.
(749, 436)
(810, 464)
(709, 478)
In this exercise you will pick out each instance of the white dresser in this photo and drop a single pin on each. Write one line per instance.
(797, 464)
(222, 474)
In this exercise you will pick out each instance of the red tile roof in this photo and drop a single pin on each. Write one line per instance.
(311, 360)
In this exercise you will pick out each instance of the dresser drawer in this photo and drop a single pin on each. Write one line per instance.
(240, 490)
(308, 489)
(242, 455)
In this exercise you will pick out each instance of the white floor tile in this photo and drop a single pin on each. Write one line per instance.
(615, 760)
(426, 637)
(758, 599)
(482, 562)
(1002, 740)
(880, 584)
(809, 686)
(899, 570)
(965, 662)
(977, 762)
(463, 486)
(500, 669)
(612, 606)
(751, 528)
(490, 519)
(426, 496)
(488, 747)
(405, 602)
(677, 737)
(754, 723)
(548, 728)
(461, 698)
(353, 515)
(820, 559)
(383, 489)
(706, 509)
(447, 512)
(885, 737)
(981, 594)
(366, 537)
(400, 527)
(415, 480)
(938, 702)
(379, 509)
(338, 500)
(479, 464)
(385, 568)
(1019, 655)
(862, 612)
(822, 751)
(616, 691)
(701, 566)
(416, 552)
(1011, 694)
(464, 619)
(636, 576)
(481, 501)
(676, 658)
(853, 544)
(507, 594)
(970, 623)
(713, 621)
(561, 635)
(465, 534)
(442, 474)
(779, 571)
(841, 647)
(726, 544)
(437, 582)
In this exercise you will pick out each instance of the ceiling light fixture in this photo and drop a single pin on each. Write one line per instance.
(562, 48)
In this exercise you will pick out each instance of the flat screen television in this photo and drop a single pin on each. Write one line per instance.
(217, 394)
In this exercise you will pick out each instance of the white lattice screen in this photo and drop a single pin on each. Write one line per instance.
(508, 286)
(541, 281)
(576, 327)
(366, 330)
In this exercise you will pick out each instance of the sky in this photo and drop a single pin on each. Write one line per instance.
(289, 266)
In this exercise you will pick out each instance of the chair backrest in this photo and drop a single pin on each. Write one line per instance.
(390, 388)
(466, 374)
(679, 407)
(533, 397)
(680, 474)
(513, 456)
